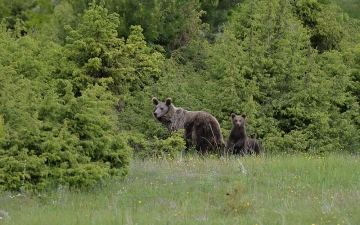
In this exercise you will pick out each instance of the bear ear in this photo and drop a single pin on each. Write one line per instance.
(233, 115)
(168, 101)
(243, 115)
(155, 101)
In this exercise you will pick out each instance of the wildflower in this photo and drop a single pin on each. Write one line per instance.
(139, 202)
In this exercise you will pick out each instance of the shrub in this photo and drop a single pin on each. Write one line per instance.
(168, 147)
(59, 138)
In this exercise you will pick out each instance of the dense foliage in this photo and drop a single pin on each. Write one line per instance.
(77, 78)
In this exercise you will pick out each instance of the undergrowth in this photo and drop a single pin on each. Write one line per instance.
(192, 189)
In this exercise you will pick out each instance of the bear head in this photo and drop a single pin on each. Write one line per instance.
(161, 108)
(238, 121)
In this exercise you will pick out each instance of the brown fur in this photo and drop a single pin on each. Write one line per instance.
(238, 142)
(200, 127)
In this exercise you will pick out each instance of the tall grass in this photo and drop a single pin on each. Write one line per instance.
(276, 189)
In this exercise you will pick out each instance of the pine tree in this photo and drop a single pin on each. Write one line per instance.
(264, 65)
(96, 52)
(49, 136)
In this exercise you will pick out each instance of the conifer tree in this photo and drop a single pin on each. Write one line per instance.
(50, 136)
(264, 65)
(324, 22)
(96, 52)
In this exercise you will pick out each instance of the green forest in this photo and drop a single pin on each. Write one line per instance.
(77, 78)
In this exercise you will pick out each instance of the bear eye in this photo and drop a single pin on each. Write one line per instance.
(161, 108)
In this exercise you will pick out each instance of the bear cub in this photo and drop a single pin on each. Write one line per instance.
(238, 142)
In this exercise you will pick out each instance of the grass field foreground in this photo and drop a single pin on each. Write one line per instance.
(275, 189)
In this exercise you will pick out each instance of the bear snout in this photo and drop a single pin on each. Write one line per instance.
(155, 114)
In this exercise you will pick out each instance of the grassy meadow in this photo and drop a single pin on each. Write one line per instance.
(271, 189)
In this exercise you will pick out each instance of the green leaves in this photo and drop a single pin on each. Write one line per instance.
(65, 137)
(97, 52)
(290, 92)
(48, 134)
(71, 107)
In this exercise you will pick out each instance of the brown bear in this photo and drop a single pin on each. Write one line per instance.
(200, 127)
(238, 142)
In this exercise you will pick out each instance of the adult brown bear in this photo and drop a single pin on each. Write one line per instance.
(200, 127)
(239, 142)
